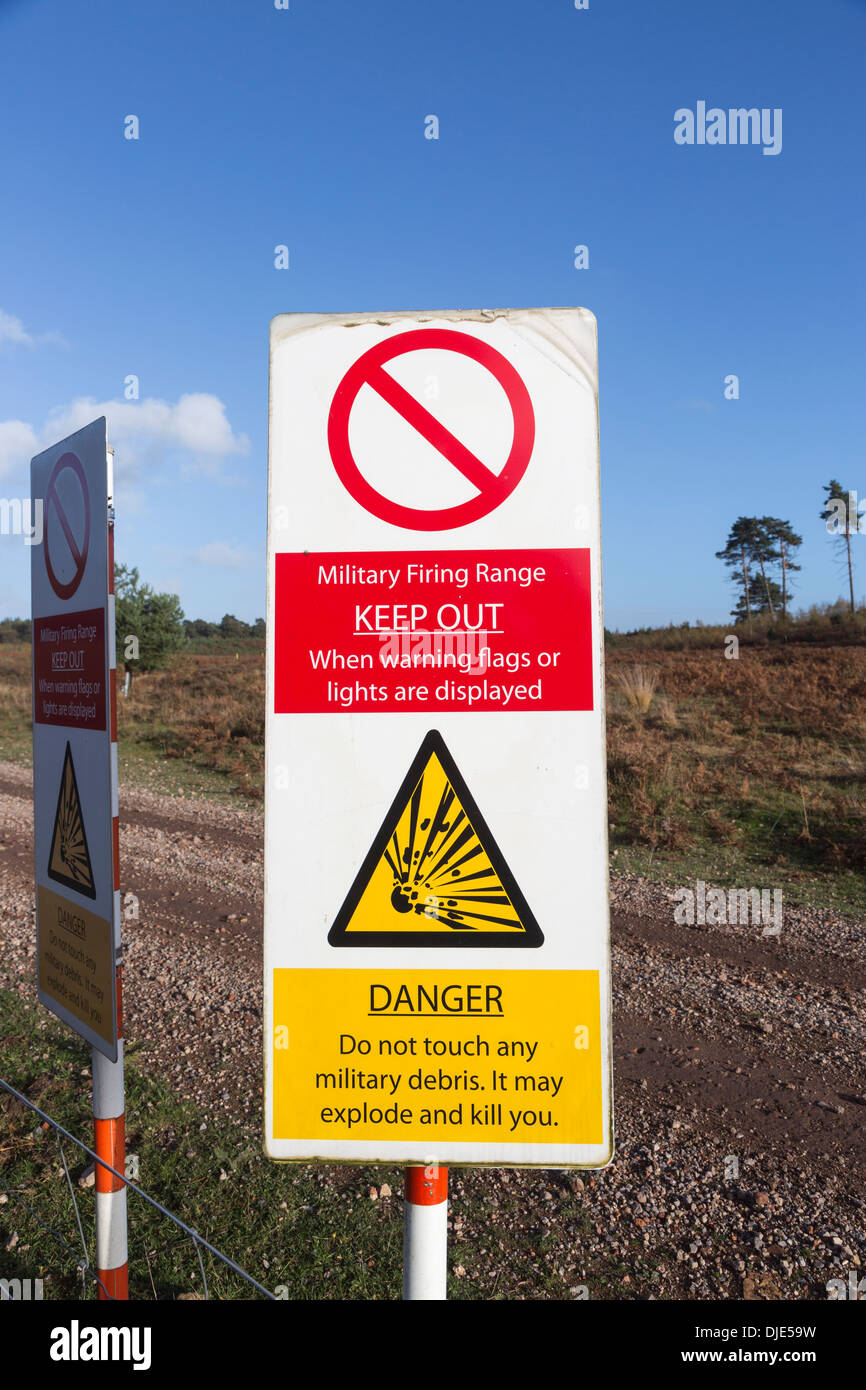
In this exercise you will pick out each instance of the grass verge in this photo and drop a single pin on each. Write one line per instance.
(299, 1234)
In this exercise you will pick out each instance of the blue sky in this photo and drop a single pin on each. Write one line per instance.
(306, 127)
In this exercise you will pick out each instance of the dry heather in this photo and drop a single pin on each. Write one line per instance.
(207, 709)
(766, 752)
(14, 683)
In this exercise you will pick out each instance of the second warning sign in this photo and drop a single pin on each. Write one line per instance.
(74, 773)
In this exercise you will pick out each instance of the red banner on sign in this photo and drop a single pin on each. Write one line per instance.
(398, 631)
(69, 670)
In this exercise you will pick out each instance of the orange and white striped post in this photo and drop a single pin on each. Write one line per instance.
(425, 1234)
(108, 1094)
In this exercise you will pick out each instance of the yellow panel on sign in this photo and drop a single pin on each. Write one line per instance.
(435, 1056)
(76, 960)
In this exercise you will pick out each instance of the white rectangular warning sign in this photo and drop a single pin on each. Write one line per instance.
(74, 782)
(436, 898)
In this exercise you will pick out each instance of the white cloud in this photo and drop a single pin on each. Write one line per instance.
(200, 423)
(18, 443)
(12, 330)
(196, 424)
(222, 555)
(143, 433)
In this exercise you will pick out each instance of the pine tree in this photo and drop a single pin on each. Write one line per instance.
(765, 599)
(785, 540)
(764, 553)
(840, 514)
(738, 555)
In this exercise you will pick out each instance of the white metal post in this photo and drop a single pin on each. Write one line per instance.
(425, 1234)
(110, 1145)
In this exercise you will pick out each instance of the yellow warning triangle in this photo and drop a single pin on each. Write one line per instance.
(435, 875)
(69, 860)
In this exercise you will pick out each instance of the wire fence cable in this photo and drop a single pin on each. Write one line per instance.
(83, 1264)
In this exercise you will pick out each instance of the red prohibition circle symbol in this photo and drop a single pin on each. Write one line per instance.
(493, 488)
(77, 548)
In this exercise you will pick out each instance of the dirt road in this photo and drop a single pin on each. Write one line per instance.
(739, 1063)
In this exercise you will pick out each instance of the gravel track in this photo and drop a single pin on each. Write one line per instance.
(739, 1065)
